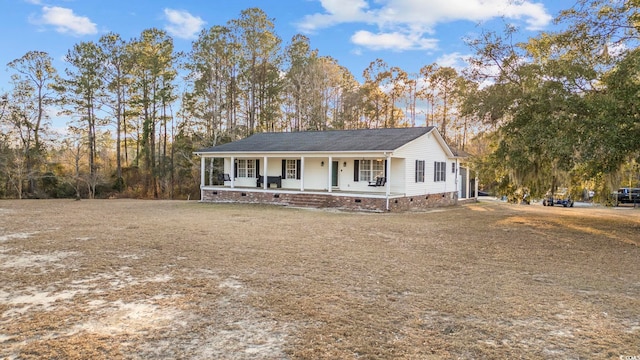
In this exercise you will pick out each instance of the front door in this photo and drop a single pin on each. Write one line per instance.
(334, 173)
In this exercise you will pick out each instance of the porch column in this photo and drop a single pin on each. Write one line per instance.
(467, 186)
(329, 183)
(301, 173)
(388, 180)
(388, 183)
(233, 171)
(265, 184)
(202, 177)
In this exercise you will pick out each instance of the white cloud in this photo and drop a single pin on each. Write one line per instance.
(182, 24)
(455, 60)
(616, 49)
(410, 20)
(392, 41)
(536, 15)
(65, 21)
(337, 11)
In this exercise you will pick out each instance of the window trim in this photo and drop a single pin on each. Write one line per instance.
(244, 168)
(439, 171)
(365, 170)
(291, 169)
(375, 168)
(420, 171)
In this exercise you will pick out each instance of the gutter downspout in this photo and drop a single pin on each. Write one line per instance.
(202, 178)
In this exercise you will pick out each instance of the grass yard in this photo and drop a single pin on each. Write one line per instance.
(130, 279)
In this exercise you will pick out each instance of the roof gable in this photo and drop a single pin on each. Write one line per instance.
(324, 141)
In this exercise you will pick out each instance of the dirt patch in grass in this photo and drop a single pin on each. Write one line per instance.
(125, 279)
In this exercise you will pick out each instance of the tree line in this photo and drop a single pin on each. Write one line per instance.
(564, 105)
(538, 114)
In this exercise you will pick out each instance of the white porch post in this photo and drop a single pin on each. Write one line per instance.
(329, 182)
(233, 171)
(202, 177)
(467, 186)
(265, 185)
(388, 182)
(456, 178)
(301, 173)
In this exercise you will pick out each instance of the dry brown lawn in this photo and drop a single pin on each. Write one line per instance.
(129, 279)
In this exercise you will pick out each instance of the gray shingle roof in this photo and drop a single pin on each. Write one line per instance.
(329, 141)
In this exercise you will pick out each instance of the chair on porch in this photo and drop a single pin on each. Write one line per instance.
(224, 177)
(270, 180)
(380, 181)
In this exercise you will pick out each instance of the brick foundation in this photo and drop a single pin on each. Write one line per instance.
(352, 202)
(421, 202)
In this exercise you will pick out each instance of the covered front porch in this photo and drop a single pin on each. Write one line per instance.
(377, 168)
(375, 174)
(371, 182)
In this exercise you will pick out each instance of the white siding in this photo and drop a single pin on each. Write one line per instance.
(315, 175)
(398, 177)
(426, 148)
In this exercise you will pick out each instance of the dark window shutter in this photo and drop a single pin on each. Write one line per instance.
(435, 171)
(444, 171)
(235, 169)
(284, 168)
(298, 165)
(385, 169)
(416, 171)
(257, 168)
(356, 169)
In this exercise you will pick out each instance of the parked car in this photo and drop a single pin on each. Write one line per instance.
(560, 197)
(628, 196)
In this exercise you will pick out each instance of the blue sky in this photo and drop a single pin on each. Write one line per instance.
(404, 33)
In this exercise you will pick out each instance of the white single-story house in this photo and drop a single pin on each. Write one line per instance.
(373, 169)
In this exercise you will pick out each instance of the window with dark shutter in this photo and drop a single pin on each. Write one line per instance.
(246, 168)
(439, 171)
(292, 170)
(420, 170)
